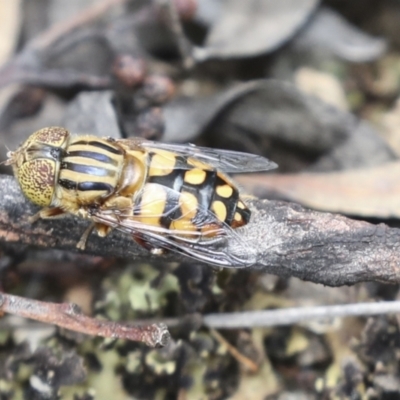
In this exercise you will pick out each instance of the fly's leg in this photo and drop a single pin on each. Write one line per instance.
(56, 212)
(101, 229)
(121, 205)
(48, 213)
(82, 241)
(158, 251)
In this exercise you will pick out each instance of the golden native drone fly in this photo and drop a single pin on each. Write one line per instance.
(166, 196)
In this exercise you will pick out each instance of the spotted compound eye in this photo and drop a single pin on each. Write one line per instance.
(37, 180)
(36, 163)
(52, 136)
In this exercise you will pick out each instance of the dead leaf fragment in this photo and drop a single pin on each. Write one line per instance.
(369, 192)
(329, 32)
(299, 128)
(253, 27)
(322, 85)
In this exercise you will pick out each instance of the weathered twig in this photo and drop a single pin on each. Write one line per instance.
(261, 318)
(282, 317)
(69, 316)
(290, 316)
(247, 362)
(289, 240)
(184, 46)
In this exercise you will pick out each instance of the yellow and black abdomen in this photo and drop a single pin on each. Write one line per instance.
(226, 203)
(89, 170)
(184, 194)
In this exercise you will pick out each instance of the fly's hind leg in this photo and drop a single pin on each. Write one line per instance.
(158, 251)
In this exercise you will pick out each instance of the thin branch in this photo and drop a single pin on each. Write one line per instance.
(253, 319)
(290, 316)
(247, 362)
(184, 46)
(284, 316)
(288, 240)
(69, 316)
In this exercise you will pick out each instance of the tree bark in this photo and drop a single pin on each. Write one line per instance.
(289, 239)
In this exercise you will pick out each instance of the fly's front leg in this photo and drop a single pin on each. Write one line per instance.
(101, 230)
(85, 214)
(56, 212)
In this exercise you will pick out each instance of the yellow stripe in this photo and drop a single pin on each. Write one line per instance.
(91, 162)
(94, 149)
(78, 177)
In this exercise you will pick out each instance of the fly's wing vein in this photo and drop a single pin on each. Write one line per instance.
(217, 244)
(225, 160)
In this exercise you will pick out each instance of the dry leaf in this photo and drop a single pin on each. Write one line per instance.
(370, 192)
(253, 27)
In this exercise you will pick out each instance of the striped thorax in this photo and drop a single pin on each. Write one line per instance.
(55, 169)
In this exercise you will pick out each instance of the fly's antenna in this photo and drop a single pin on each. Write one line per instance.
(10, 157)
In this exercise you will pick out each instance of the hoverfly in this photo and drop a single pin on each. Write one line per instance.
(166, 196)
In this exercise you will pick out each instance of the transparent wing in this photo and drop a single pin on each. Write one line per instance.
(222, 246)
(216, 252)
(224, 160)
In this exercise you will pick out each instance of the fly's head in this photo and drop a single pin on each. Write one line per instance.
(36, 163)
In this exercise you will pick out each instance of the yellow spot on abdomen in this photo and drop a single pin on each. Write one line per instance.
(152, 204)
(162, 163)
(184, 225)
(224, 191)
(189, 204)
(195, 176)
(219, 209)
(241, 205)
(238, 217)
